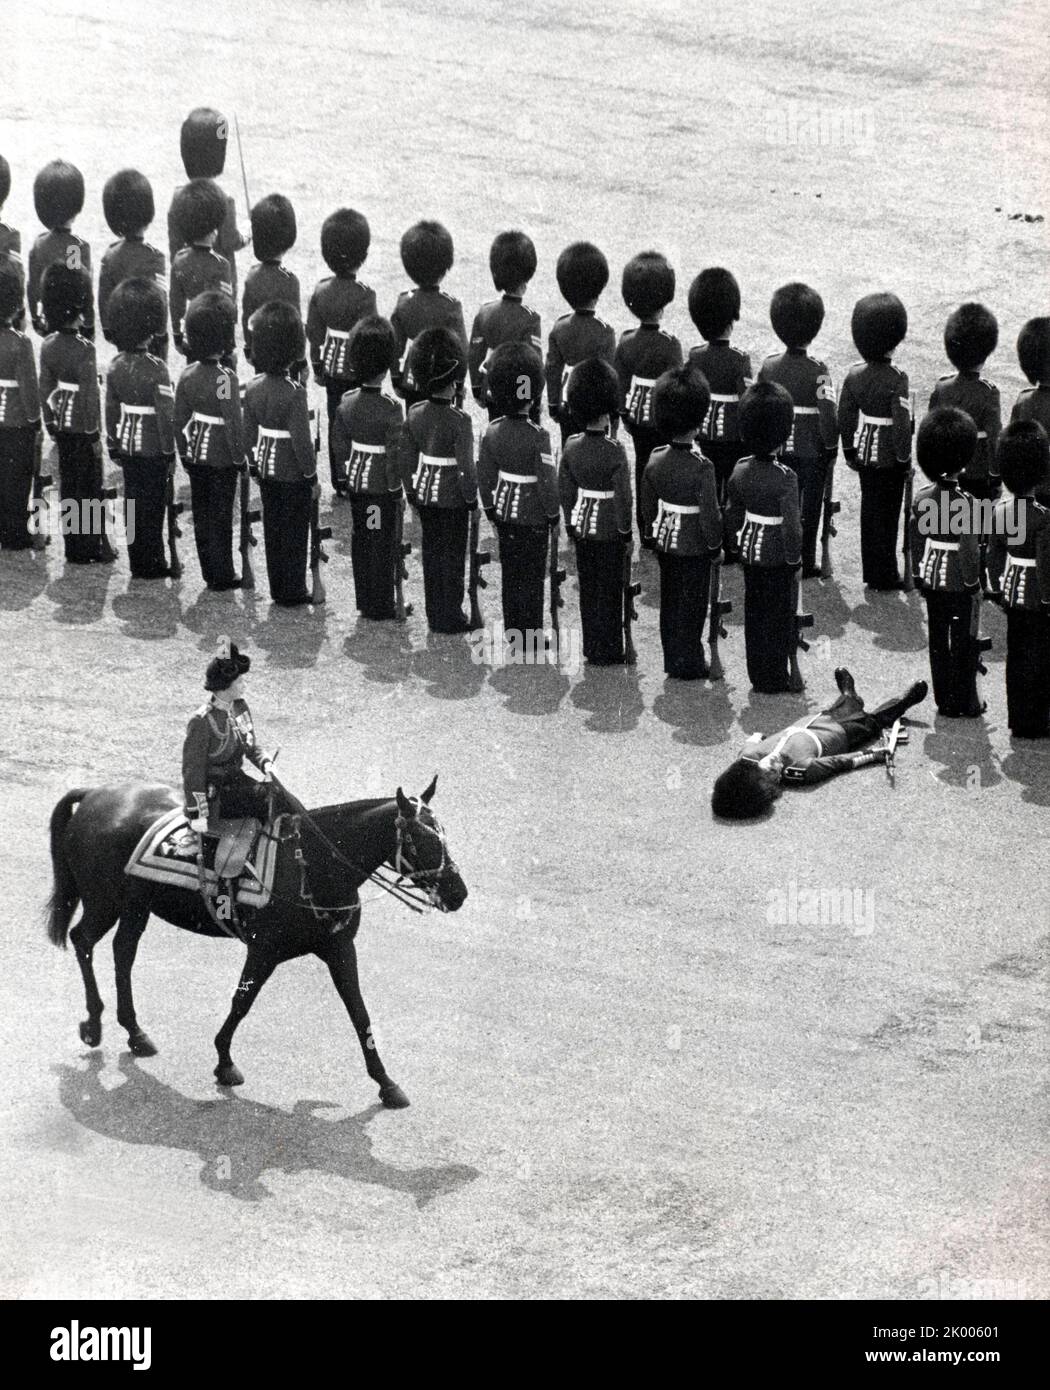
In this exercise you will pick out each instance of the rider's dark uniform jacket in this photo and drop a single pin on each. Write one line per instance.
(218, 739)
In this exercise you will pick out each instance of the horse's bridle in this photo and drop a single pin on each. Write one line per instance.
(426, 879)
(410, 882)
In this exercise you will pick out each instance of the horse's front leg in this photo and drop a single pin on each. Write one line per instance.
(341, 959)
(133, 919)
(258, 968)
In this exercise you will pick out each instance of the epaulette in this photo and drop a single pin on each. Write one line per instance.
(1027, 391)
(820, 366)
(202, 712)
(450, 297)
(405, 294)
(784, 468)
(988, 385)
(393, 400)
(564, 318)
(603, 323)
(152, 357)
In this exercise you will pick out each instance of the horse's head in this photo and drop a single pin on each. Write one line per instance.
(422, 854)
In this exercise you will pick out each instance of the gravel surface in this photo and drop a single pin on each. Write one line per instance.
(636, 1070)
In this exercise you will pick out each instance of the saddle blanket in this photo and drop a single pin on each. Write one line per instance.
(167, 853)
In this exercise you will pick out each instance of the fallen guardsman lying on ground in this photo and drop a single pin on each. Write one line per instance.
(811, 750)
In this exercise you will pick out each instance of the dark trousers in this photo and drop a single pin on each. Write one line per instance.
(523, 552)
(881, 496)
(599, 570)
(1028, 672)
(373, 552)
(80, 482)
(812, 474)
(645, 440)
(17, 467)
(684, 585)
(145, 495)
(444, 563)
(769, 626)
(286, 529)
(953, 653)
(863, 725)
(335, 389)
(213, 491)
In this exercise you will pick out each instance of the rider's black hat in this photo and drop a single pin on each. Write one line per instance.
(227, 664)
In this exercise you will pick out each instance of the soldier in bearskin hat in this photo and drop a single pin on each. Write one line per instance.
(58, 196)
(202, 142)
(437, 469)
(198, 208)
(127, 201)
(273, 235)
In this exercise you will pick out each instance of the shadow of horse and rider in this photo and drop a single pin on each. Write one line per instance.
(238, 1141)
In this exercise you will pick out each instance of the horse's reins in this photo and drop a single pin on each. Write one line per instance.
(415, 877)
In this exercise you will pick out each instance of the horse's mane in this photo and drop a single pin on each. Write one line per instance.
(363, 804)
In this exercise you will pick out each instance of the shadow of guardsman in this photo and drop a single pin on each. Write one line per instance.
(1028, 763)
(149, 610)
(238, 1140)
(383, 650)
(528, 687)
(612, 695)
(831, 612)
(896, 619)
(292, 637)
(79, 594)
(447, 667)
(701, 714)
(23, 578)
(964, 751)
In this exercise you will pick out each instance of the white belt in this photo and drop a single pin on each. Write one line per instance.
(434, 461)
(875, 419)
(8, 384)
(274, 434)
(516, 477)
(806, 410)
(725, 400)
(591, 495)
(1024, 562)
(790, 734)
(673, 507)
(643, 381)
(757, 520)
(208, 419)
(374, 449)
(982, 434)
(74, 386)
(336, 333)
(942, 545)
(133, 409)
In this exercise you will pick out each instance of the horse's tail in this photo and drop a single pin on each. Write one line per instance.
(65, 895)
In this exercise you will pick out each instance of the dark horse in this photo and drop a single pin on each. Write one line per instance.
(314, 908)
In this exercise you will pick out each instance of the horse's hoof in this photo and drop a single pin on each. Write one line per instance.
(393, 1097)
(91, 1032)
(228, 1075)
(141, 1044)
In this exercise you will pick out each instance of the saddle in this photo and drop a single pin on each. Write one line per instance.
(239, 853)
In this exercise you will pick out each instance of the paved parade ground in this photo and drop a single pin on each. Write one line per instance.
(640, 1063)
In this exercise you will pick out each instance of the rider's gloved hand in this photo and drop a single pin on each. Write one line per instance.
(267, 770)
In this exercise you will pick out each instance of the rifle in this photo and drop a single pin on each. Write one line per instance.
(631, 590)
(909, 483)
(318, 533)
(41, 482)
(249, 517)
(557, 575)
(402, 548)
(796, 683)
(478, 560)
(716, 628)
(828, 528)
(174, 511)
(980, 644)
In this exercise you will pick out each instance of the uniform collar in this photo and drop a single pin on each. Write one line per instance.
(513, 298)
(586, 313)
